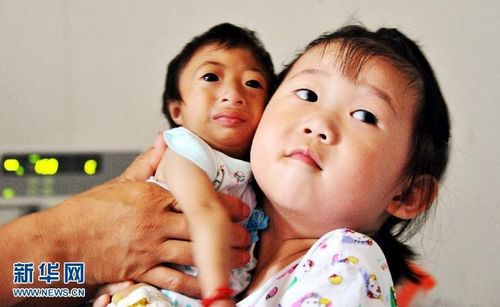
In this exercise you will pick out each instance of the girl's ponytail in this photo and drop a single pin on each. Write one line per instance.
(397, 253)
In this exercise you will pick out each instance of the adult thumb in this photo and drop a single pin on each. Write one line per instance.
(146, 163)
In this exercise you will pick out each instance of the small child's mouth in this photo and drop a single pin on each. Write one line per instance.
(229, 118)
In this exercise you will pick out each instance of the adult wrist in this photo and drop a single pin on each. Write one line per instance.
(51, 235)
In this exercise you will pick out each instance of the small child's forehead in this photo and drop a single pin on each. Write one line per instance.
(217, 49)
(210, 47)
(216, 54)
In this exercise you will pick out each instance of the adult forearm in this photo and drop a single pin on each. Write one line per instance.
(25, 246)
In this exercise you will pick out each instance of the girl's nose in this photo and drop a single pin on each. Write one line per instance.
(318, 128)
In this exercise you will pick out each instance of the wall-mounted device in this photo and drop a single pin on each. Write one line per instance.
(33, 181)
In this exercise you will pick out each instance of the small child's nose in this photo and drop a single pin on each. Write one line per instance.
(232, 94)
(232, 99)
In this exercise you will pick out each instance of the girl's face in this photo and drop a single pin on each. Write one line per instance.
(329, 151)
(223, 96)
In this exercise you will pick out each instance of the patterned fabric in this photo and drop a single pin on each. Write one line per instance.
(343, 268)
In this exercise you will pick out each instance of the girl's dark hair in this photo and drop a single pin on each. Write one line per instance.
(225, 35)
(431, 128)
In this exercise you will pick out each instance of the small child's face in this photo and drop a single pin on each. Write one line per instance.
(223, 96)
(329, 151)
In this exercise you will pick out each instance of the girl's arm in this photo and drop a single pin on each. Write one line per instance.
(208, 220)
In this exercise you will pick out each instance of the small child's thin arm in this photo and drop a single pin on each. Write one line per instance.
(207, 218)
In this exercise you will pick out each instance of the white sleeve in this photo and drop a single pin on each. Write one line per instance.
(344, 268)
(190, 146)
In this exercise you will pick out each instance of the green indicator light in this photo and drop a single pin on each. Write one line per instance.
(20, 171)
(8, 193)
(11, 165)
(90, 167)
(33, 158)
(46, 166)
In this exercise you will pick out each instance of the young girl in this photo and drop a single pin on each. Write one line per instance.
(348, 153)
(353, 141)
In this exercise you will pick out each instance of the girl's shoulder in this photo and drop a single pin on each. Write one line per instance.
(343, 267)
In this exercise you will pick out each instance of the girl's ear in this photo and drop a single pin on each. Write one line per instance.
(410, 203)
(175, 110)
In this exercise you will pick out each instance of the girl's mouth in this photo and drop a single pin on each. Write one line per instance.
(307, 156)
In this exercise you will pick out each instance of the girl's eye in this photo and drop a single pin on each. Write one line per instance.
(365, 116)
(210, 77)
(253, 83)
(307, 95)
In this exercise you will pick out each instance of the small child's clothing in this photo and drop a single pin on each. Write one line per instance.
(228, 175)
(343, 268)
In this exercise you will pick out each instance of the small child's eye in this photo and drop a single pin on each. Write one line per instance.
(306, 94)
(365, 116)
(210, 77)
(253, 83)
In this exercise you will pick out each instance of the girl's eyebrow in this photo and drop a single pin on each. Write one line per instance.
(381, 94)
(311, 71)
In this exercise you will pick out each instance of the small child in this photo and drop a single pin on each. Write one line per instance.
(215, 93)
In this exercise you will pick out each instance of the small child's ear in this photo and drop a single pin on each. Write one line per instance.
(415, 201)
(175, 110)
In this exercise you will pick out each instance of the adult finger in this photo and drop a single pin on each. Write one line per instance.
(145, 164)
(175, 251)
(175, 225)
(176, 228)
(237, 210)
(180, 252)
(240, 238)
(173, 280)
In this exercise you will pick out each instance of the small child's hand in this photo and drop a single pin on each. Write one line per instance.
(140, 294)
(103, 295)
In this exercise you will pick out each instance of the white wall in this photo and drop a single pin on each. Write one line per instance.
(88, 75)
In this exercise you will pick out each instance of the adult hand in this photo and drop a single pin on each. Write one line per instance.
(122, 230)
(125, 230)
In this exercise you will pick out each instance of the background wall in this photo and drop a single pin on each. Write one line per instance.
(87, 75)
